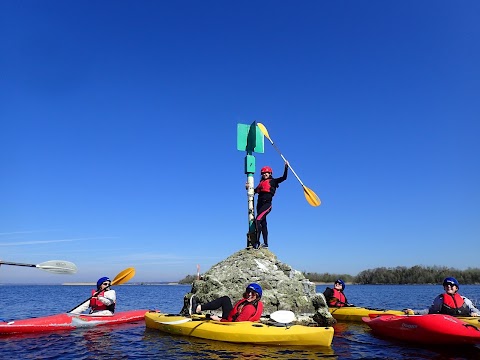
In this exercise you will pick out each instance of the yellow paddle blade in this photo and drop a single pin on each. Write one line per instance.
(311, 197)
(264, 131)
(124, 276)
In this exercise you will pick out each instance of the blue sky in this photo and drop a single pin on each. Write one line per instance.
(118, 133)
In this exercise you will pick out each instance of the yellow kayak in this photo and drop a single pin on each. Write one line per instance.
(354, 313)
(472, 320)
(240, 332)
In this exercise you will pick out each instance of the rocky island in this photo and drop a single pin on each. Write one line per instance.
(284, 288)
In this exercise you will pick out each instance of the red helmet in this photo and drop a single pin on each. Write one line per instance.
(266, 169)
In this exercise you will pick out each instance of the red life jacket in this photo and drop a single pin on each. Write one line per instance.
(454, 305)
(97, 305)
(235, 311)
(266, 186)
(338, 299)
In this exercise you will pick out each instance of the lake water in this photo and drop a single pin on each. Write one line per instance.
(134, 341)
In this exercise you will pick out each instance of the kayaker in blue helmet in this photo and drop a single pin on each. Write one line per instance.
(335, 297)
(249, 308)
(449, 303)
(103, 299)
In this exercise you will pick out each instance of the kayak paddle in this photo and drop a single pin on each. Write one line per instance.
(311, 197)
(121, 278)
(53, 266)
(283, 316)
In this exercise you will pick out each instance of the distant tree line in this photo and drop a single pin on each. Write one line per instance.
(398, 275)
(417, 275)
(402, 275)
(327, 277)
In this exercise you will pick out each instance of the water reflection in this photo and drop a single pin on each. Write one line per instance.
(180, 346)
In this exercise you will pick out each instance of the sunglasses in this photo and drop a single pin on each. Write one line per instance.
(250, 292)
(449, 284)
(106, 283)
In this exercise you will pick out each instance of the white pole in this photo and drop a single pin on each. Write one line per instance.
(251, 207)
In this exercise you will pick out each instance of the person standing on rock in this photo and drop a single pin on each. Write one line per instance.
(266, 190)
(249, 308)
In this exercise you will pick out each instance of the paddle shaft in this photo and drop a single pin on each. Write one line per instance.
(16, 264)
(346, 304)
(311, 197)
(89, 298)
(283, 157)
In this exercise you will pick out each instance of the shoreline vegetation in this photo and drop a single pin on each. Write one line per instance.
(400, 275)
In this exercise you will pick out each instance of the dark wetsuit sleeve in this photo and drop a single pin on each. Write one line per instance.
(283, 177)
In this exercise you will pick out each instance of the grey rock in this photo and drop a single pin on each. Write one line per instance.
(284, 288)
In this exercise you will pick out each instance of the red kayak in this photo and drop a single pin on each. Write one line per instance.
(68, 321)
(424, 329)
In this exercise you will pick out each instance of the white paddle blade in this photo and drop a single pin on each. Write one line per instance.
(283, 316)
(58, 267)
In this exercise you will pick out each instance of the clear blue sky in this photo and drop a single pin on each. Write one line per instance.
(118, 133)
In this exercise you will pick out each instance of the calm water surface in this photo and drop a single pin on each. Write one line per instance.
(134, 341)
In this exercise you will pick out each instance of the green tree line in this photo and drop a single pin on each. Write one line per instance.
(327, 277)
(398, 275)
(402, 275)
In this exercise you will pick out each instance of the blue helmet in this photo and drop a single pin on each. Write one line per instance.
(340, 281)
(451, 281)
(255, 287)
(102, 280)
